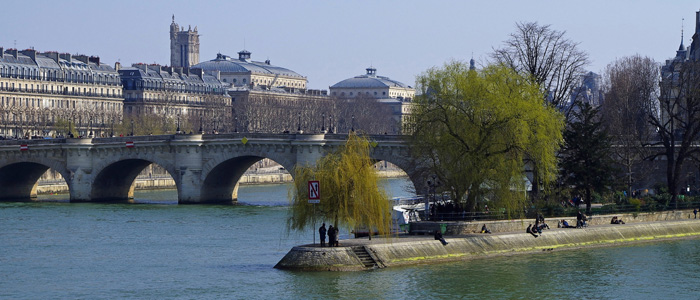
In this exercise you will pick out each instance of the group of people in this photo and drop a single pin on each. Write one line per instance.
(615, 220)
(540, 225)
(332, 235)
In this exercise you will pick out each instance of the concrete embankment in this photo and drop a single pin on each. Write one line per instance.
(362, 254)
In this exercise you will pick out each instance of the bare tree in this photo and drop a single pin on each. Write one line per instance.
(677, 120)
(553, 61)
(631, 89)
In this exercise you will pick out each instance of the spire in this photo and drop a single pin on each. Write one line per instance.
(173, 18)
(681, 48)
(471, 63)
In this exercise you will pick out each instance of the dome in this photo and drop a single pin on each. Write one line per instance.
(226, 64)
(369, 80)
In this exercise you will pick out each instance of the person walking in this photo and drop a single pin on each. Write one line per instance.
(695, 212)
(322, 234)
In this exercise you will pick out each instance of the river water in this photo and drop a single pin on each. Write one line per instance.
(58, 250)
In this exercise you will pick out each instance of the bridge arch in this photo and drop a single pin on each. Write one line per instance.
(23, 176)
(405, 163)
(221, 175)
(114, 179)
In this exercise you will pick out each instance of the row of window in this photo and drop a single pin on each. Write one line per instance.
(56, 75)
(44, 88)
(6, 102)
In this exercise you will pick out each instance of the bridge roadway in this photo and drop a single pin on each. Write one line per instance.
(206, 168)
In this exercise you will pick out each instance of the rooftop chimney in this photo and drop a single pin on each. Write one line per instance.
(94, 59)
(52, 55)
(31, 53)
(66, 56)
(82, 58)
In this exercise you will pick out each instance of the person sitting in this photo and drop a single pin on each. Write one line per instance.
(565, 224)
(438, 237)
(529, 230)
(615, 220)
(537, 227)
(484, 229)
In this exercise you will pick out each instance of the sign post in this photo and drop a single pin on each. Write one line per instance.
(314, 198)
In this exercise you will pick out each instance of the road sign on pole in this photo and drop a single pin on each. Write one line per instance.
(314, 192)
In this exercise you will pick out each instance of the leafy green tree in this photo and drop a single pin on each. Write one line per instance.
(350, 195)
(476, 129)
(586, 162)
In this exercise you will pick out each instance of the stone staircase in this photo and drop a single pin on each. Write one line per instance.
(364, 256)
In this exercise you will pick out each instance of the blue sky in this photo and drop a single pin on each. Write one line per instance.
(328, 41)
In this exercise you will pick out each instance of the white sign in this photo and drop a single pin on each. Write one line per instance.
(314, 192)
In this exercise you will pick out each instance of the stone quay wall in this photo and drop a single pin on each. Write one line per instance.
(461, 227)
(412, 250)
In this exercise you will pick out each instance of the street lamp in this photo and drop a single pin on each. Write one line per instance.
(299, 124)
(201, 131)
(177, 131)
(352, 124)
(323, 123)
(132, 127)
(330, 124)
(90, 127)
(235, 124)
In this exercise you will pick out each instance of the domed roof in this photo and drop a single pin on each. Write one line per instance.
(226, 64)
(369, 80)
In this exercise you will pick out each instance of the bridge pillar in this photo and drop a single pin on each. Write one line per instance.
(188, 163)
(79, 164)
(309, 148)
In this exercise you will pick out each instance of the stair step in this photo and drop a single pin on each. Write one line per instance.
(365, 258)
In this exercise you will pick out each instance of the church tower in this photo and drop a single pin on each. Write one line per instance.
(184, 46)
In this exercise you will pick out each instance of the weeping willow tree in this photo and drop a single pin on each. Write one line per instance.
(476, 129)
(350, 195)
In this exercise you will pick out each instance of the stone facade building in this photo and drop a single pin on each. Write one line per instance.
(171, 92)
(51, 93)
(184, 46)
(391, 93)
(244, 72)
(372, 85)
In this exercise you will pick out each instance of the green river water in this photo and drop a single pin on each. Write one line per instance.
(159, 250)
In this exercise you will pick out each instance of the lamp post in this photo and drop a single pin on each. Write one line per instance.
(431, 191)
(132, 127)
(235, 124)
(14, 120)
(90, 128)
(352, 124)
(299, 124)
(177, 130)
(201, 131)
(323, 123)
(330, 124)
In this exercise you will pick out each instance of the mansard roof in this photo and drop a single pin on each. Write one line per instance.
(226, 64)
(369, 80)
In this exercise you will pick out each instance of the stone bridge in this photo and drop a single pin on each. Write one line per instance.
(205, 168)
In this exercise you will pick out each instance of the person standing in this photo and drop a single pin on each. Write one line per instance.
(322, 234)
(331, 231)
(695, 212)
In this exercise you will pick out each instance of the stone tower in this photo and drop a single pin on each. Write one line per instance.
(184, 46)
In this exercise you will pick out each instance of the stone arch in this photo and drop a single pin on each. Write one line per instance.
(221, 175)
(19, 179)
(113, 180)
(405, 163)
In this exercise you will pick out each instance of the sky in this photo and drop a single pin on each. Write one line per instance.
(329, 41)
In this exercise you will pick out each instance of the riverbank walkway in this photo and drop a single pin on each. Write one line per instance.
(403, 249)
